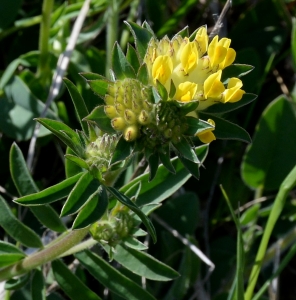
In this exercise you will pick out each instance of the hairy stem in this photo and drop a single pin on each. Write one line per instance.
(44, 256)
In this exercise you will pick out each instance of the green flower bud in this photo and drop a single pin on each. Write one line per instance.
(124, 223)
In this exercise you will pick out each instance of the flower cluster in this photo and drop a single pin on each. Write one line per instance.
(194, 68)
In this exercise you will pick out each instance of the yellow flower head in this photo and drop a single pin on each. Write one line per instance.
(162, 69)
(186, 91)
(233, 93)
(220, 53)
(207, 135)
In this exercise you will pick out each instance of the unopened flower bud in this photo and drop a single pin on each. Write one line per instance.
(110, 111)
(131, 133)
(118, 123)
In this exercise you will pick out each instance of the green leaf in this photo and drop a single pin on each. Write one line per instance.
(79, 104)
(16, 229)
(26, 185)
(132, 206)
(121, 67)
(186, 107)
(122, 151)
(99, 86)
(134, 244)
(15, 284)
(173, 91)
(71, 284)
(250, 215)
(9, 254)
(143, 75)
(92, 76)
(132, 57)
(272, 154)
(103, 272)
(84, 190)
(51, 194)
(196, 126)
(71, 169)
(235, 70)
(156, 97)
(164, 183)
(38, 289)
(166, 160)
(64, 133)
(77, 160)
(226, 130)
(144, 264)
(222, 108)
(184, 148)
(99, 118)
(162, 91)
(93, 210)
(191, 166)
(142, 37)
(153, 162)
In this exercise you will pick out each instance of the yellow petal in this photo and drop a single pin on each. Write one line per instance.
(162, 68)
(202, 40)
(207, 135)
(213, 87)
(233, 93)
(229, 59)
(186, 91)
(189, 57)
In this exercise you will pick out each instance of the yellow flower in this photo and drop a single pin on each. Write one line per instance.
(202, 39)
(186, 91)
(213, 87)
(207, 136)
(220, 53)
(233, 93)
(162, 69)
(189, 57)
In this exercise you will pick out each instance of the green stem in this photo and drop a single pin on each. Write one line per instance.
(112, 30)
(77, 248)
(43, 66)
(45, 255)
(277, 208)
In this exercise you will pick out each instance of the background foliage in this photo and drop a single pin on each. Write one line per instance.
(251, 176)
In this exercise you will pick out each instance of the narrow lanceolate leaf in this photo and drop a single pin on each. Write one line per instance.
(64, 133)
(92, 76)
(121, 67)
(71, 284)
(166, 161)
(51, 194)
(99, 118)
(143, 75)
(191, 166)
(131, 205)
(144, 264)
(82, 192)
(38, 290)
(185, 149)
(16, 229)
(134, 244)
(9, 254)
(132, 57)
(226, 130)
(77, 160)
(222, 108)
(93, 210)
(153, 162)
(103, 272)
(26, 185)
(236, 70)
(99, 86)
(142, 37)
(78, 102)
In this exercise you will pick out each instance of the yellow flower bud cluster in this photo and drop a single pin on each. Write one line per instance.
(100, 151)
(113, 230)
(129, 107)
(194, 67)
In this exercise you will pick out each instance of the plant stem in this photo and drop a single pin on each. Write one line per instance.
(277, 208)
(43, 67)
(45, 255)
(112, 29)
